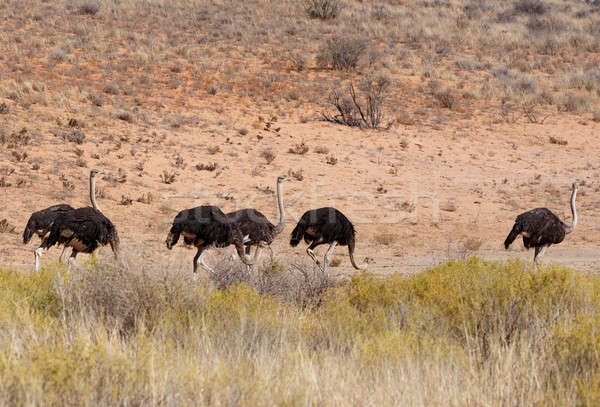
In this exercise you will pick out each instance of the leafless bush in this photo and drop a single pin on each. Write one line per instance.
(341, 52)
(126, 200)
(557, 141)
(354, 112)
(445, 98)
(268, 155)
(207, 167)
(299, 149)
(297, 175)
(168, 177)
(300, 283)
(76, 136)
(574, 103)
(146, 198)
(123, 298)
(6, 227)
(323, 9)
(331, 160)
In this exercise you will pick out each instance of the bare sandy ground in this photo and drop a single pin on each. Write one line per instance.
(417, 194)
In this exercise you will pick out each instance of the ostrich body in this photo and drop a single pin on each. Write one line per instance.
(325, 226)
(203, 227)
(256, 228)
(84, 229)
(39, 223)
(541, 228)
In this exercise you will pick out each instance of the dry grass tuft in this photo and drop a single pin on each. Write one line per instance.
(284, 335)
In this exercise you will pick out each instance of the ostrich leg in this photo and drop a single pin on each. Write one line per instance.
(71, 261)
(38, 253)
(63, 255)
(199, 261)
(311, 253)
(539, 252)
(328, 254)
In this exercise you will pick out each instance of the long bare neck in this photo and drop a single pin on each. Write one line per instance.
(572, 226)
(93, 193)
(281, 225)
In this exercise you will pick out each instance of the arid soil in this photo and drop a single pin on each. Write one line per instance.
(185, 106)
(417, 196)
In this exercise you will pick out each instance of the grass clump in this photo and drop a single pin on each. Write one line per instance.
(474, 331)
(342, 52)
(323, 9)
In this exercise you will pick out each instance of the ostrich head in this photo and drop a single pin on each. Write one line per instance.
(282, 178)
(94, 173)
(575, 187)
(170, 241)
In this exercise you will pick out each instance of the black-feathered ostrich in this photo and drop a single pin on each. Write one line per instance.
(84, 229)
(39, 224)
(541, 228)
(203, 227)
(325, 226)
(256, 228)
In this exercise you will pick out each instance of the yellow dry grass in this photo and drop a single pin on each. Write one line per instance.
(463, 333)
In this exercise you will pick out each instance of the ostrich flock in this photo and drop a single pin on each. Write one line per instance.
(84, 229)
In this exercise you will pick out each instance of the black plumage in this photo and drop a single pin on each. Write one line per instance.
(254, 225)
(83, 229)
(325, 226)
(203, 227)
(39, 222)
(541, 228)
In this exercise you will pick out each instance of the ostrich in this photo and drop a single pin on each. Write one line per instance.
(256, 228)
(541, 228)
(203, 227)
(321, 226)
(39, 224)
(84, 229)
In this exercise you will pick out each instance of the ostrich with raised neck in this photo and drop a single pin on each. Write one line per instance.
(256, 228)
(84, 229)
(541, 228)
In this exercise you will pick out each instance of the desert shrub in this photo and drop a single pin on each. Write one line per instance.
(342, 52)
(323, 9)
(356, 111)
(88, 7)
(574, 103)
(532, 7)
(287, 335)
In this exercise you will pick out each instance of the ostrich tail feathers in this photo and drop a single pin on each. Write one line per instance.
(512, 235)
(298, 233)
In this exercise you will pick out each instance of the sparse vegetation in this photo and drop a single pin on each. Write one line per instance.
(365, 112)
(342, 52)
(466, 329)
(299, 149)
(385, 238)
(323, 9)
(269, 155)
(168, 177)
(146, 198)
(207, 167)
